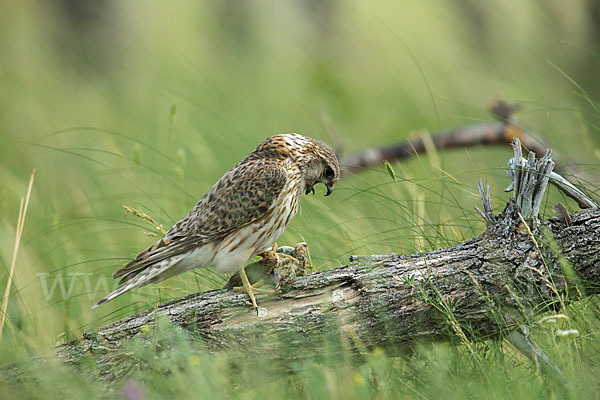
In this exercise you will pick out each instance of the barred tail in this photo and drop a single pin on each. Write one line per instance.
(118, 292)
(151, 274)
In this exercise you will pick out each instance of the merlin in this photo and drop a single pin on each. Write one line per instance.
(241, 216)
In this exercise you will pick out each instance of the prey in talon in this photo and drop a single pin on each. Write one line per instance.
(277, 268)
(289, 266)
(241, 216)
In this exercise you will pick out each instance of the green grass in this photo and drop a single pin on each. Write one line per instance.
(148, 104)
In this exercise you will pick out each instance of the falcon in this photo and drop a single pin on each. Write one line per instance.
(241, 216)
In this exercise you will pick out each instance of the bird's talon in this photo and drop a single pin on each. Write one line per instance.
(251, 289)
(261, 312)
(254, 288)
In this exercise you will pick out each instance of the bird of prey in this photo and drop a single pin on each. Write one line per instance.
(241, 216)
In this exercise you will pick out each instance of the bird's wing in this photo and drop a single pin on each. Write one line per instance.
(242, 196)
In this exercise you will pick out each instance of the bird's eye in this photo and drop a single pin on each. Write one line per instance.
(328, 172)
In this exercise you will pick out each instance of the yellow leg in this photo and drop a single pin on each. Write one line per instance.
(250, 289)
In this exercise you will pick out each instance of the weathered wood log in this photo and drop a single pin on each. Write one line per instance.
(479, 288)
(482, 288)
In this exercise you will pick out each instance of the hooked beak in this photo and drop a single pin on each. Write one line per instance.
(329, 189)
(310, 189)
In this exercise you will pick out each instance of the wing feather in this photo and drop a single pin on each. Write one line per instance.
(242, 196)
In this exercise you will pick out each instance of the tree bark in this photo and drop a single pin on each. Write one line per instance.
(480, 288)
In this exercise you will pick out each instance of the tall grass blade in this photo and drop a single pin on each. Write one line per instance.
(20, 223)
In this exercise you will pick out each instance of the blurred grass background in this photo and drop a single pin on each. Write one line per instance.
(148, 103)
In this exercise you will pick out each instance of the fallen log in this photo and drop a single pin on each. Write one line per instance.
(483, 288)
(479, 288)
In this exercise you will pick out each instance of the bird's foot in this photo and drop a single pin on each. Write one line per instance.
(281, 265)
(270, 258)
(254, 287)
(251, 289)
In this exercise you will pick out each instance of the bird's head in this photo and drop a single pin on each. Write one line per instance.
(316, 161)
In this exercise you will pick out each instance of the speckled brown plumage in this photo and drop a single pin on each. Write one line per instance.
(241, 215)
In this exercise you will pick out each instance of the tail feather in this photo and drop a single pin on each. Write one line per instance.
(151, 274)
(113, 294)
